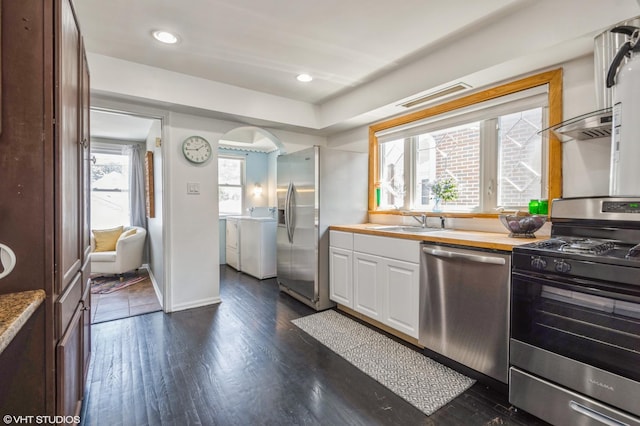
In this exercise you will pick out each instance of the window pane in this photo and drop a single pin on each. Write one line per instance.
(230, 171)
(449, 153)
(110, 191)
(425, 170)
(392, 183)
(230, 200)
(520, 158)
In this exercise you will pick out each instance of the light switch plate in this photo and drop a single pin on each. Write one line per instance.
(158, 142)
(193, 188)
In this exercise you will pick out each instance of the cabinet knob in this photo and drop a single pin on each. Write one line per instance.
(562, 266)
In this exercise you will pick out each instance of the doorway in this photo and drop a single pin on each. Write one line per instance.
(122, 147)
(246, 184)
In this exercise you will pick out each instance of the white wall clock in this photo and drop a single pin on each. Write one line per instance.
(196, 149)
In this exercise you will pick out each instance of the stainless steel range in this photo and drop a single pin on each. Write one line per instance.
(575, 316)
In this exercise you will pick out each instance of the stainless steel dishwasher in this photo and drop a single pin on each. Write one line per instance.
(464, 306)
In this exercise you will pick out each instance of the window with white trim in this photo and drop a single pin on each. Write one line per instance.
(231, 185)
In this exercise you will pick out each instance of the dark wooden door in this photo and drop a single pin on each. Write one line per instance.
(72, 211)
(86, 307)
(70, 383)
(85, 159)
(69, 148)
(85, 207)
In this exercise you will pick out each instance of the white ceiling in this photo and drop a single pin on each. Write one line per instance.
(263, 44)
(366, 56)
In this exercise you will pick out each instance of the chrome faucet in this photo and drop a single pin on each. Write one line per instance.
(422, 219)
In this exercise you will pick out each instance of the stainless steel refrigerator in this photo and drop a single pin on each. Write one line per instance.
(316, 187)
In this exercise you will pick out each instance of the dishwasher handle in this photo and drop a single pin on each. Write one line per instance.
(464, 256)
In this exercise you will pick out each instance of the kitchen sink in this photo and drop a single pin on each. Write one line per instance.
(407, 229)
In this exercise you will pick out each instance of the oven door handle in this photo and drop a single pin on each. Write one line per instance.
(595, 288)
(593, 414)
(464, 256)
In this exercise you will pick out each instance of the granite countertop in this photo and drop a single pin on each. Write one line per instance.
(15, 310)
(489, 240)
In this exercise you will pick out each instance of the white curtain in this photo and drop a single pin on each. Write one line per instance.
(136, 186)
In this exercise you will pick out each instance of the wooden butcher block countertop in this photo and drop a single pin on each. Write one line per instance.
(488, 240)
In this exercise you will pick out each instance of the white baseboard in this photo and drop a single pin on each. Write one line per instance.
(155, 285)
(195, 304)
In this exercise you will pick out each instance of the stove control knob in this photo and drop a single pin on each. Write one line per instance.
(538, 263)
(562, 266)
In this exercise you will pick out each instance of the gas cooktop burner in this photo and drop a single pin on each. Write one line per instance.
(577, 245)
(587, 246)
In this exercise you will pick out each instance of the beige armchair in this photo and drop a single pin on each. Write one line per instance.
(126, 257)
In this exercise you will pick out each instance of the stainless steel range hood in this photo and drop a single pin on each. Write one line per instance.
(592, 125)
(596, 124)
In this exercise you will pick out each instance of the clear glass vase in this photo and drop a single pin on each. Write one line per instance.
(437, 207)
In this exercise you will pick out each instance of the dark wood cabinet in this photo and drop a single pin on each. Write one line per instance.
(72, 207)
(44, 214)
(69, 357)
(85, 163)
(68, 149)
(85, 207)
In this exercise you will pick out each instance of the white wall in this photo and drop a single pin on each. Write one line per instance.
(155, 224)
(272, 173)
(585, 164)
(192, 227)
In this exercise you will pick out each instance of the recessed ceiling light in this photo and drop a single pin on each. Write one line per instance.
(305, 78)
(165, 37)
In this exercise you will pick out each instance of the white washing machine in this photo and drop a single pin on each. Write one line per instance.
(233, 241)
(258, 246)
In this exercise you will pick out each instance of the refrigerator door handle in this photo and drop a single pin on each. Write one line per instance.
(287, 212)
(292, 214)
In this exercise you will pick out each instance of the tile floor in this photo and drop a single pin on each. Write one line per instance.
(137, 299)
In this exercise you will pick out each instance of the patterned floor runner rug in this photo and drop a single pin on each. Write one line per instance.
(422, 382)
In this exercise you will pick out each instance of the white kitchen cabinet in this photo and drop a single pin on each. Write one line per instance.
(384, 280)
(368, 285)
(341, 276)
(387, 290)
(401, 296)
(341, 267)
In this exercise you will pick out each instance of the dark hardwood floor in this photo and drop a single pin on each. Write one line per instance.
(242, 362)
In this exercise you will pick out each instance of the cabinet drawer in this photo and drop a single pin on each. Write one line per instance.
(340, 239)
(67, 304)
(69, 367)
(393, 248)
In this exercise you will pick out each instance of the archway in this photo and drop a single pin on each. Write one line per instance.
(252, 138)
